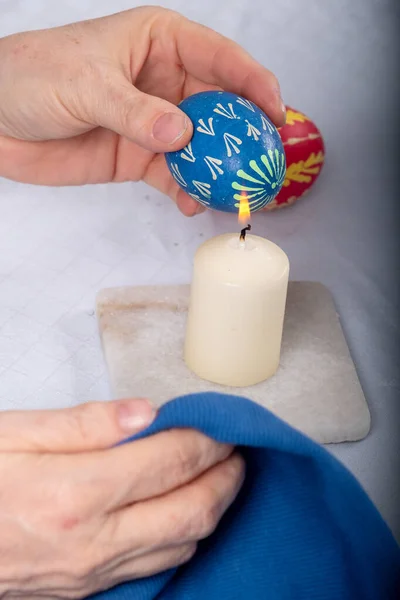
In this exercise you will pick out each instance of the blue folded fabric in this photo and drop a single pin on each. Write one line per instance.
(302, 527)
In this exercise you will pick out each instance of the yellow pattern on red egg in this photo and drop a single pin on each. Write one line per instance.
(303, 170)
(293, 116)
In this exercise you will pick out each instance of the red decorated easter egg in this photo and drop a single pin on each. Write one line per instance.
(305, 154)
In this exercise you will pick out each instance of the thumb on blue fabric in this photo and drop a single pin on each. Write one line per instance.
(90, 426)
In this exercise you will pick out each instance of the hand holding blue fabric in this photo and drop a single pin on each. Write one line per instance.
(77, 516)
(301, 528)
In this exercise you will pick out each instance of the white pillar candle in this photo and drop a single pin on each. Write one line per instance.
(236, 311)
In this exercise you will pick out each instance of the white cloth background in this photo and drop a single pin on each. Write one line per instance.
(336, 62)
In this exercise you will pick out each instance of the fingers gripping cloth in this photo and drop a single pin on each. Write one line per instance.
(302, 528)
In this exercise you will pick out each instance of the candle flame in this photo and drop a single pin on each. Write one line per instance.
(244, 209)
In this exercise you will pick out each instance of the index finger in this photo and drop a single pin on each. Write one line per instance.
(144, 468)
(216, 60)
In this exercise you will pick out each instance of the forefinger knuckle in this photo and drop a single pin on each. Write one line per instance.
(186, 553)
(206, 516)
(188, 456)
(195, 453)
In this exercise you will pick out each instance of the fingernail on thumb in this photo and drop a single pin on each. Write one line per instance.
(135, 415)
(170, 127)
(283, 109)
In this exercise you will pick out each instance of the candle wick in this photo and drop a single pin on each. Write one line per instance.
(243, 232)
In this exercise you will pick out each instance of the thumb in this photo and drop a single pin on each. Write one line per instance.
(149, 121)
(91, 426)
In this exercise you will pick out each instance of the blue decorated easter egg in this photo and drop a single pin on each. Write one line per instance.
(235, 150)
